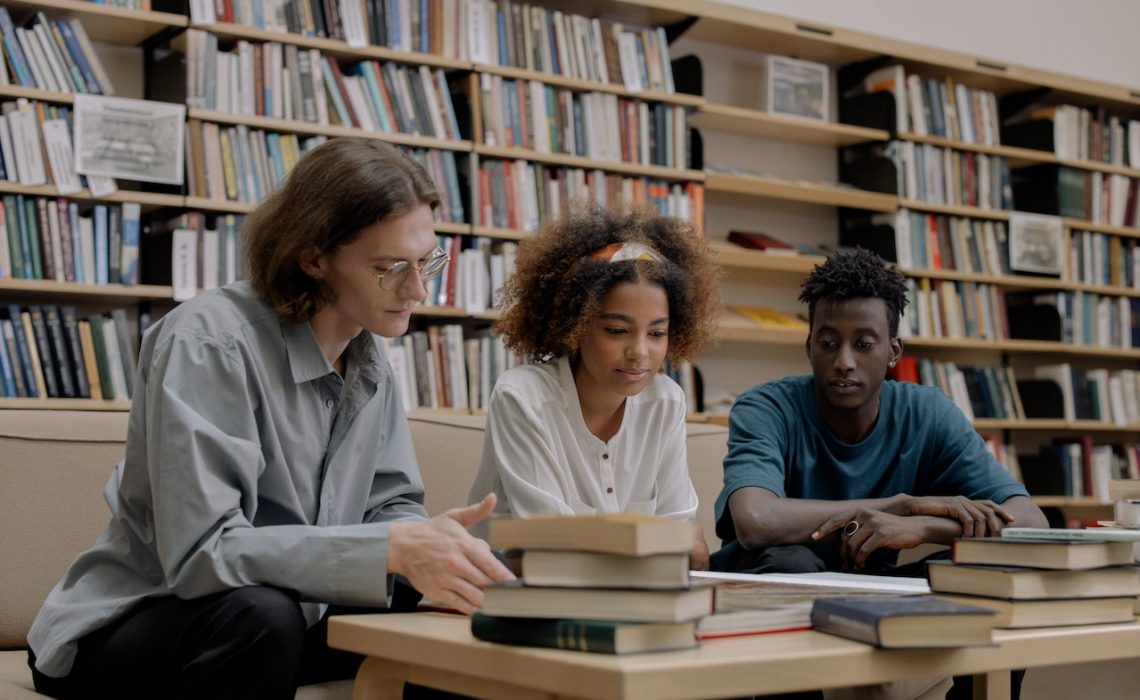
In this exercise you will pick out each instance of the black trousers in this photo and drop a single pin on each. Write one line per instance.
(245, 643)
(798, 559)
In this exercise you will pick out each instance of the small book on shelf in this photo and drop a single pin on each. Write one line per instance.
(1016, 614)
(596, 636)
(573, 569)
(1071, 554)
(770, 318)
(1023, 583)
(628, 534)
(516, 599)
(904, 622)
(761, 241)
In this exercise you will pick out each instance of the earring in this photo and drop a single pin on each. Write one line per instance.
(891, 363)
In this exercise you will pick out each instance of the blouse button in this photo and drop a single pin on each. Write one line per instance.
(610, 489)
(330, 403)
(605, 455)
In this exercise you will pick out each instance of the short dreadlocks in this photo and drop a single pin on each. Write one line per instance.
(859, 274)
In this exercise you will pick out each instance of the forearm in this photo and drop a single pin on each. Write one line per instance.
(766, 520)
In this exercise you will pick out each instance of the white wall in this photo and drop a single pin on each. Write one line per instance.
(1095, 39)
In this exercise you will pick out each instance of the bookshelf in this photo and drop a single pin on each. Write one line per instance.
(736, 195)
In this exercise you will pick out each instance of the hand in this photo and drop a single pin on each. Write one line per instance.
(863, 531)
(699, 554)
(442, 560)
(977, 518)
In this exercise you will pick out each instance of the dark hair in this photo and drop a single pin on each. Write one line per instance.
(337, 189)
(557, 288)
(859, 274)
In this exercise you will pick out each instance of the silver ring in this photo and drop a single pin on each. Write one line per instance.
(851, 528)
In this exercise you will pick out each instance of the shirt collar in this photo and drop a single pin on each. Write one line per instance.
(306, 360)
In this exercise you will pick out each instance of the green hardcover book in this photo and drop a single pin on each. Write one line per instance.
(33, 240)
(101, 361)
(15, 246)
(595, 636)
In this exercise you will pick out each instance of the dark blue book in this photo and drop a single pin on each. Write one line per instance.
(903, 622)
(22, 348)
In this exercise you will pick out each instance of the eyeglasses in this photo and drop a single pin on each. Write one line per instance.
(394, 277)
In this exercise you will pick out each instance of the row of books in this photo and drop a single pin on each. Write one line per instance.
(1084, 318)
(922, 241)
(1074, 466)
(601, 126)
(50, 352)
(52, 55)
(193, 251)
(937, 107)
(980, 392)
(1101, 259)
(287, 82)
(50, 239)
(437, 367)
(945, 176)
(1102, 198)
(1005, 454)
(496, 32)
(522, 195)
(948, 309)
(1076, 133)
(477, 270)
(1092, 394)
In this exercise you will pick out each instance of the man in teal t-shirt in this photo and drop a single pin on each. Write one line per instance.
(839, 469)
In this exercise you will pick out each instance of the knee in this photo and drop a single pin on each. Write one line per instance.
(791, 559)
(262, 613)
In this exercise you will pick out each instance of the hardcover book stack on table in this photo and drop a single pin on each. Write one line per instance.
(1042, 578)
(608, 584)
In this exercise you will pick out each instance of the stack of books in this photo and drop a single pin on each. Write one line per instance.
(1034, 581)
(611, 584)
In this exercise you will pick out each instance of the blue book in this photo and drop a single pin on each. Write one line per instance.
(7, 378)
(31, 232)
(102, 258)
(129, 260)
(80, 58)
(364, 70)
(276, 160)
(424, 26)
(76, 248)
(22, 348)
(15, 54)
(903, 621)
(501, 21)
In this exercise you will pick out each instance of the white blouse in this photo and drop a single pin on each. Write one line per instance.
(540, 458)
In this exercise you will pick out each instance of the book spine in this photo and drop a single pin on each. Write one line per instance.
(598, 637)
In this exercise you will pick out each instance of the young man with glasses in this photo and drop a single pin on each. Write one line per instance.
(269, 468)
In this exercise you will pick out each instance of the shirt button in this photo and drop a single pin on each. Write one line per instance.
(610, 489)
(605, 455)
(330, 403)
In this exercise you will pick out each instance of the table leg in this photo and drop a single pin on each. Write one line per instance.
(379, 680)
(994, 685)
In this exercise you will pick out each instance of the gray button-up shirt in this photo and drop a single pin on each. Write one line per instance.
(249, 461)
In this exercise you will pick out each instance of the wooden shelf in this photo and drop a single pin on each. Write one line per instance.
(1023, 346)
(511, 234)
(149, 200)
(64, 404)
(219, 205)
(799, 191)
(1070, 501)
(299, 127)
(1053, 424)
(338, 49)
(1082, 225)
(578, 85)
(453, 228)
(752, 122)
(733, 328)
(50, 289)
(655, 171)
(453, 312)
(105, 23)
(53, 96)
(955, 210)
(1016, 155)
(735, 257)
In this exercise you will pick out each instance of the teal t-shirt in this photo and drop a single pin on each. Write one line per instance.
(921, 444)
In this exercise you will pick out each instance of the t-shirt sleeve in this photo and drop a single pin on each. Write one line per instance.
(757, 443)
(960, 463)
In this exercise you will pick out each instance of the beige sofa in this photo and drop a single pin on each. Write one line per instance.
(54, 465)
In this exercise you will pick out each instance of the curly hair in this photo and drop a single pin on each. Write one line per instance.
(557, 289)
(859, 274)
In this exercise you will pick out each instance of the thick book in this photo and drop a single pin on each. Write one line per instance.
(774, 616)
(1091, 534)
(1014, 614)
(1022, 583)
(761, 241)
(573, 569)
(596, 636)
(516, 599)
(629, 534)
(904, 622)
(1068, 554)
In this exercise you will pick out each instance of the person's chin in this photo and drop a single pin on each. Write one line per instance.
(846, 400)
(390, 327)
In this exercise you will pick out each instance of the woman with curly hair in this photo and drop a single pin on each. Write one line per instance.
(598, 301)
